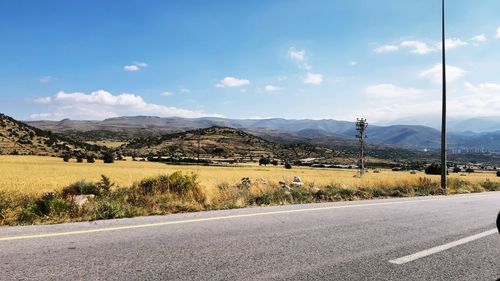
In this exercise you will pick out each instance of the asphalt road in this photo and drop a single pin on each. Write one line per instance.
(334, 241)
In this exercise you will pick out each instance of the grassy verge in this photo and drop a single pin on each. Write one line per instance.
(178, 192)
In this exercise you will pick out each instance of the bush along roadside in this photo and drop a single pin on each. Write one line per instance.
(178, 192)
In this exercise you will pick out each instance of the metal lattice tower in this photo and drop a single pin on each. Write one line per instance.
(361, 126)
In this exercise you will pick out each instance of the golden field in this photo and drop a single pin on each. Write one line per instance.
(37, 174)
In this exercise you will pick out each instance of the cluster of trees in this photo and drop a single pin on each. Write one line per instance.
(435, 169)
(266, 161)
(108, 157)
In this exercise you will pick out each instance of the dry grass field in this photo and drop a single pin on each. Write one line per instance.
(35, 174)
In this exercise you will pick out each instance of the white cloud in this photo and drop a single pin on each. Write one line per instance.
(478, 100)
(271, 88)
(480, 38)
(167, 94)
(435, 74)
(297, 55)
(102, 104)
(314, 78)
(484, 86)
(471, 100)
(43, 100)
(498, 32)
(184, 90)
(418, 47)
(392, 91)
(141, 64)
(231, 82)
(453, 43)
(131, 68)
(424, 48)
(46, 79)
(353, 63)
(136, 66)
(387, 49)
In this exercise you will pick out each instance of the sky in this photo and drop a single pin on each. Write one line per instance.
(295, 59)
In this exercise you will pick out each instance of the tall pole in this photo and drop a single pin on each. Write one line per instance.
(361, 126)
(444, 168)
(199, 137)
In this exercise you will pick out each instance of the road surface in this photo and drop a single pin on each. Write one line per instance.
(427, 238)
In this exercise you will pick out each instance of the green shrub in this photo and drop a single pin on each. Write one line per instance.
(336, 193)
(177, 183)
(51, 204)
(301, 195)
(105, 185)
(263, 199)
(80, 188)
(108, 208)
(230, 197)
(27, 214)
(4, 205)
(376, 191)
(275, 196)
(491, 186)
(403, 190)
(425, 186)
(461, 186)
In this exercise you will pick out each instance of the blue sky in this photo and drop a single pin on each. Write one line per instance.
(247, 59)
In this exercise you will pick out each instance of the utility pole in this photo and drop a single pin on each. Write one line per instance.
(444, 167)
(361, 126)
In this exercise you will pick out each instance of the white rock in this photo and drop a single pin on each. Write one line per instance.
(81, 200)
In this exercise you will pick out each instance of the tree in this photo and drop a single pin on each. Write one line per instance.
(433, 169)
(274, 162)
(498, 173)
(90, 159)
(456, 169)
(108, 157)
(105, 185)
(66, 157)
(469, 170)
(264, 161)
(79, 159)
(288, 165)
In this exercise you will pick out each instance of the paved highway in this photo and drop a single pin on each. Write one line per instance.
(427, 238)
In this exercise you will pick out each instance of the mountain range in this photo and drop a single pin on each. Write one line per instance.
(475, 134)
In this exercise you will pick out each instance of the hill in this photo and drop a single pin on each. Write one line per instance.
(228, 143)
(19, 138)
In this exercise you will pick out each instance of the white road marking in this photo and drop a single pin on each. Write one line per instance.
(441, 248)
(258, 214)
